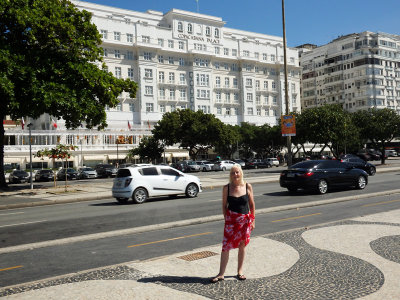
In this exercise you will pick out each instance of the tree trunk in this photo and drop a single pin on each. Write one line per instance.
(3, 184)
(383, 153)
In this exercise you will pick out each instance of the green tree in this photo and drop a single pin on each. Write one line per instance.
(248, 133)
(49, 63)
(228, 140)
(194, 131)
(148, 149)
(379, 126)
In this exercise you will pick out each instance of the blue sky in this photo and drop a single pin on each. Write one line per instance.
(307, 21)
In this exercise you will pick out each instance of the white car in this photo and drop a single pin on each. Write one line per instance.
(140, 183)
(205, 165)
(223, 165)
(273, 161)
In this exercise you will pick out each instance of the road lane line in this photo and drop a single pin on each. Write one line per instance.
(22, 223)
(380, 203)
(172, 239)
(11, 268)
(16, 213)
(293, 218)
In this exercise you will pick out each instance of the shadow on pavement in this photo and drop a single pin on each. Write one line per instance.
(175, 279)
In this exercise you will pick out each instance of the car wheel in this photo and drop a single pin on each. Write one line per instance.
(361, 182)
(122, 200)
(223, 169)
(292, 189)
(139, 195)
(255, 167)
(322, 186)
(192, 190)
(372, 171)
(204, 169)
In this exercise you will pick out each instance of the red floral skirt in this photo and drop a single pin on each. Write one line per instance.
(237, 229)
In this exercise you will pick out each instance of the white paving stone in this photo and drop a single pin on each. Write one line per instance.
(354, 240)
(264, 257)
(387, 217)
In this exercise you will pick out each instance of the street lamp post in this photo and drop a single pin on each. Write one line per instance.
(30, 154)
(289, 140)
(117, 154)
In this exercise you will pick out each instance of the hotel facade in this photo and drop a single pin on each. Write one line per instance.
(180, 60)
(359, 71)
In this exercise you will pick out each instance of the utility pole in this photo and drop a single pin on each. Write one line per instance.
(30, 154)
(289, 139)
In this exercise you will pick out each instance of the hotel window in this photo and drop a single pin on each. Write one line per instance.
(227, 111)
(171, 77)
(248, 68)
(273, 85)
(274, 100)
(256, 69)
(274, 113)
(272, 57)
(161, 42)
(219, 110)
(249, 82)
(171, 94)
(236, 111)
(129, 37)
(265, 85)
(234, 67)
(218, 96)
(216, 32)
(266, 111)
(266, 99)
(181, 45)
(258, 101)
(173, 107)
(117, 54)
(235, 83)
(117, 36)
(227, 97)
(180, 26)
(182, 107)
(129, 55)
(170, 44)
(130, 73)
(107, 108)
(183, 94)
(234, 52)
(161, 76)
(182, 79)
(118, 107)
(148, 73)
(249, 97)
(257, 55)
(226, 82)
(190, 28)
(103, 33)
(246, 53)
(147, 56)
(226, 51)
(208, 31)
(217, 81)
(258, 111)
(148, 90)
(131, 107)
(250, 111)
(161, 93)
(145, 39)
(236, 97)
(216, 50)
(149, 107)
(292, 60)
(118, 72)
(216, 65)
(181, 61)
(294, 100)
(105, 52)
(265, 56)
(161, 59)
(170, 60)
(257, 84)
(293, 87)
(226, 67)
(162, 108)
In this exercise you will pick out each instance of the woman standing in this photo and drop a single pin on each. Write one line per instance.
(238, 208)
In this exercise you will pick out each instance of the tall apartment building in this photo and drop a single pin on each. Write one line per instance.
(179, 59)
(358, 71)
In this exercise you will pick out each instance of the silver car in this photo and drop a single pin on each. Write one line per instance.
(86, 173)
(223, 165)
(205, 165)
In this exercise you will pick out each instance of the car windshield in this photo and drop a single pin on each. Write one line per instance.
(191, 163)
(87, 169)
(71, 171)
(20, 173)
(304, 165)
(46, 171)
(108, 166)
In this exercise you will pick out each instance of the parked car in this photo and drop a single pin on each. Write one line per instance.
(106, 170)
(390, 153)
(240, 162)
(86, 173)
(191, 166)
(44, 175)
(357, 162)
(179, 166)
(273, 161)
(140, 183)
(223, 165)
(321, 175)
(71, 174)
(257, 163)
(18, 176)
(205, 165)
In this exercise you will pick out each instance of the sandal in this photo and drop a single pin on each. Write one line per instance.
(240, 277)
(216, 279)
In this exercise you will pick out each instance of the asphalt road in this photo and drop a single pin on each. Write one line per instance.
(29, 225)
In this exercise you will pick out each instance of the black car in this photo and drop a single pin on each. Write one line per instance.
(257, 164)
(106, 170)
(71, 174)
(359, 163)
(44, 175)
(18, 176)
(180, 166)
(321, 175)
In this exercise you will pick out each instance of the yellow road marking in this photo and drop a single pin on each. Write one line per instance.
(379, 203)
(293, 218)
(177, 238)
(10, 268)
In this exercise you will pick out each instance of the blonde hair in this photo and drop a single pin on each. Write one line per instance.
(239, 168)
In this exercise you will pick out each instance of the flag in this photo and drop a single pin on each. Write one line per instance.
(54, 123)
(22, 123)
(129, 126)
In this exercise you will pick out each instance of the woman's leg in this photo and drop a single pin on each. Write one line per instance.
(241, 255)
(223, 263)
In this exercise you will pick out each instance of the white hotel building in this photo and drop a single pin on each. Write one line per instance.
(180, 60)
(358, 71)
